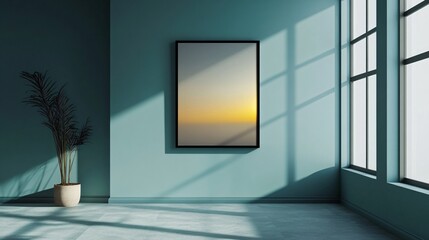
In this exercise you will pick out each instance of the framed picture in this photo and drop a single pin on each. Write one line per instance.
(217, 84)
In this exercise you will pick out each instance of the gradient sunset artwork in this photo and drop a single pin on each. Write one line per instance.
(217, 94)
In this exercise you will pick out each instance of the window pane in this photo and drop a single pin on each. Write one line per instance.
(417, 32)
(359, 18)
(359, 123)
(372, 52)
(411, 3)
(359, 57)
(372, 14)
(372, 124)
(417, 121)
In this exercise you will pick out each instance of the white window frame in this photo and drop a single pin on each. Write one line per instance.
(360, 77)
(406, 61)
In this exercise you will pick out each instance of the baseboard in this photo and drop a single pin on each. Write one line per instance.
(126, 200)
(7, 200)
(388, 226)
(31, 200)
(97, 199)
(106, 199)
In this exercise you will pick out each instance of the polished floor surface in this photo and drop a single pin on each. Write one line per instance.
(186, 221)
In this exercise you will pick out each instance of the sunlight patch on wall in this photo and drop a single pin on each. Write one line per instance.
(315, 129)
(275, 91)
(138, 135)
(314, 79)
(315, 35)
(274, 55)
(39, 178)
(130, 130)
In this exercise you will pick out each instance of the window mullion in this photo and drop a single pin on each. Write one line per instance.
(366, 85)
(413, 90)
(416, 8)
(366, 34)
(416, 58)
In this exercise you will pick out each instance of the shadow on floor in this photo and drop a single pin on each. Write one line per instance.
(71, 220)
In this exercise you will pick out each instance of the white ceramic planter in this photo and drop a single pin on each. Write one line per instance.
(67, 195)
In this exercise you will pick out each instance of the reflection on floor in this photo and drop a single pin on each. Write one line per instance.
(186, 221)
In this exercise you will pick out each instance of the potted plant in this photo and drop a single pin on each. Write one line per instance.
(58, 115)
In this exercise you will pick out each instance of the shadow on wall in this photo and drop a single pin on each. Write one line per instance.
(30, 184)
(317, 184)
(70, 40)
(299, 99)
(44, 196)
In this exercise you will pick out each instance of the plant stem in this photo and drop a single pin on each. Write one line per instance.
(72, 158)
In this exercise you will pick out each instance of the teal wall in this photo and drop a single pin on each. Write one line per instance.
(70, 40)
(134, 158)
(400, 207)
(299, 154)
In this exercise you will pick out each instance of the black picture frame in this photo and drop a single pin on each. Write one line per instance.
(198, 63)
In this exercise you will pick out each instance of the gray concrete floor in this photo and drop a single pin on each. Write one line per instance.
(186, 221)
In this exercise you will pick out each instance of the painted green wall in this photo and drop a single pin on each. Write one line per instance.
(400, 207)
(299, 154)
(298, 158)
(70, 40)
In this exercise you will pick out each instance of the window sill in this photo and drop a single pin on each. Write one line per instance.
(348, 169)
(410, 187)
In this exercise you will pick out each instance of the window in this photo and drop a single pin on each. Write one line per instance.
(415, 92)
(363, 85)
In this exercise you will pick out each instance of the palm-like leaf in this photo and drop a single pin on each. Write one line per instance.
(58, 115)
(41, 95)
(81, 136)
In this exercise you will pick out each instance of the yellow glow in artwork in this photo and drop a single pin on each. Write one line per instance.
(217, 93)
